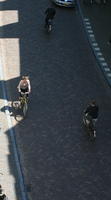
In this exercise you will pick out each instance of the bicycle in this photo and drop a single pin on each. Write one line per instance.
(24, 103)
(48, 25)
(89, 125)
(21, 104)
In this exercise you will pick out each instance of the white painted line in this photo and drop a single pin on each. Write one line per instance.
(95, 44)
(106, 69)
(86, 19)
(11, 131)
(109, 74)
(104, 64)
(91, 35)
(88, 27)
(93, 39)
(101, 58)
(87, 23)
(90, 31)
(97, 49)
(99, 54)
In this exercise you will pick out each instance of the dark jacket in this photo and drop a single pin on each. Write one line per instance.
(92, 111)
(50, 13)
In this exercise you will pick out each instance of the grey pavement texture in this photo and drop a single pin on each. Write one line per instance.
(58, 160)
(99, 16)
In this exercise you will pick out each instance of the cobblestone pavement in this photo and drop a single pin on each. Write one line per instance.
(96, 18)
(58, 160)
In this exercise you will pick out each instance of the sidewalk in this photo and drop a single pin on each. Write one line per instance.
(97, 21)
(11, 177)
(7, 163)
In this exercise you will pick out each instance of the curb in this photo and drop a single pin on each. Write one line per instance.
(94, 45)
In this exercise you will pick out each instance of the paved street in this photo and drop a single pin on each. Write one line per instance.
(100, 17)
(97, 17)
(58, 160)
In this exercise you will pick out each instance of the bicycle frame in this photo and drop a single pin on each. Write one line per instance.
(23, 98)
(24, 103)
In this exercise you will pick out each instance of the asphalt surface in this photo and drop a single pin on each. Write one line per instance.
(100, 17)
(98, 24)
(58, 160)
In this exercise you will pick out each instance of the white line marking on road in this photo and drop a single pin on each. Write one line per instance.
(106, 69)
(104, 64)
(109, 74)
(11, 131)
(95, 44)
(86, 19)
(99, 54)
(87, 23)
(97, 49)
(88, 27)
(91, 35)
(101, 58)
(90, 31)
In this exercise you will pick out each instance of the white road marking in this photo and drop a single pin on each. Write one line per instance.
(107, 69)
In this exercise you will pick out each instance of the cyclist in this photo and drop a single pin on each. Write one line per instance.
(50, 13)
(93, 111)
(24, 86)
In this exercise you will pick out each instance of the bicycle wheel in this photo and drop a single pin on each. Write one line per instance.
(15, 104)
(25, 108)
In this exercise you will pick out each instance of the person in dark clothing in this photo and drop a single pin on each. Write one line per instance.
(50, 13)
(92, 110)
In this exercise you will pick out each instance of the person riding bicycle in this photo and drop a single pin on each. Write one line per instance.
(89, 121)
(24, 86)
(93, 111)
(50, 13)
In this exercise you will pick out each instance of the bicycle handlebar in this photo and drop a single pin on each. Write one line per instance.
(24, 92)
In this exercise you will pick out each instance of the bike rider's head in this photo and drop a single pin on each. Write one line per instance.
(93, 103)
(25, 77)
